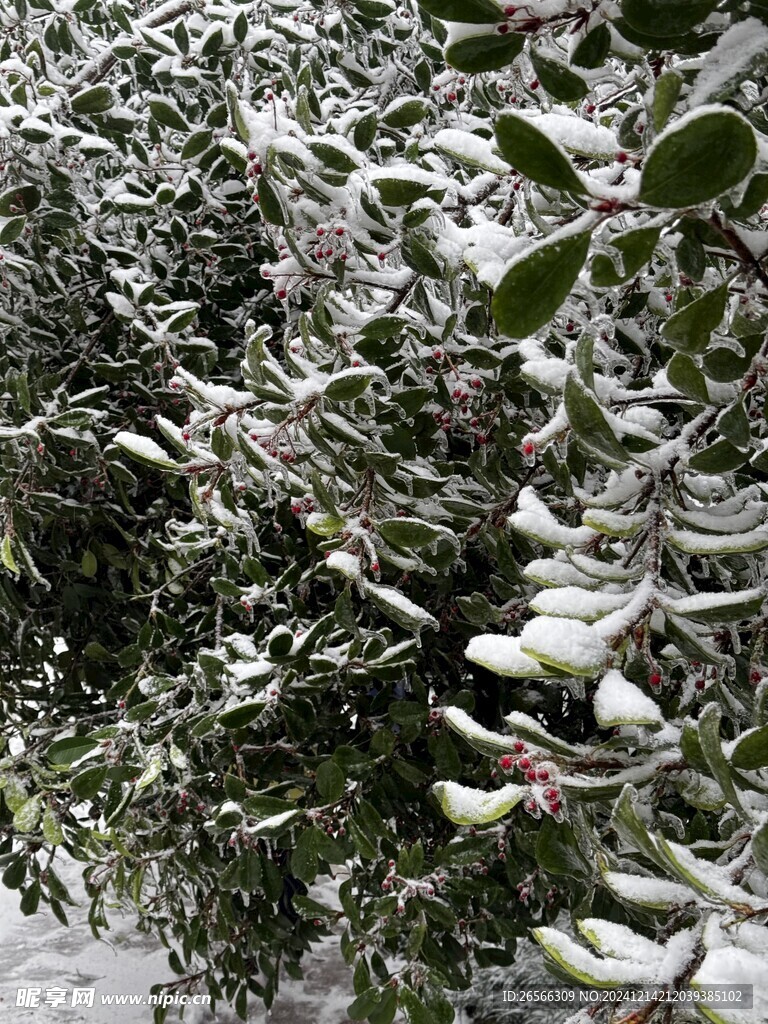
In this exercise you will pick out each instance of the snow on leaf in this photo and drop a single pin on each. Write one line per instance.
(617, 701)
(467, 806)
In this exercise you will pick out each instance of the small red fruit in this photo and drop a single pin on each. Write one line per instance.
(535, 83)
(531, 775)
(621, 157)
(554, 806)
(700, 684)
(591, 108)
(509, 11)
(481, 439)
(437, 354)
(542, 774)
(502, 29)
(551, 793)
(375, 566)
(339, 232)
(320, 232)
(451, 97)
(282, 293)
(524, 763)
(506, 761)
(257, 169)
(654, 679)
(519, 746)
(528, 448)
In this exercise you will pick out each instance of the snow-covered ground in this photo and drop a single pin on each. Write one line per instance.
(39, 952)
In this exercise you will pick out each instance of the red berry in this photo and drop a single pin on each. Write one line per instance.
(320, 232)
(502, 29)
(452, 97)
(257, 169)
(456, 393)
(654, 679)
(437, 354)
(186, 435)
(554, 806)
(296, 508)
(509, 11)
(700, 684)
(506, 761)
(481, 439)
(476, 382)
(329, 252)
(551, 793)
(531, 805)
(255, 197)
(375, 566)
(531, 775)
(339, 232)
(542, 774)
(519, 746)
(282, 294)
(535, 83)
(591, 108)
(528, 448)
(343, 257)
(382, 257)
(755, 676)
(524, 763)
(621, 157)
(251, 154)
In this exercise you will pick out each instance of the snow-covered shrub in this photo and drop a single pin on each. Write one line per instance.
(451, 334)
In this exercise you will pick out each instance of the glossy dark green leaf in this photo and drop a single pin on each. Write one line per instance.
(486, 51)
(590, 426)
(71, 749)
(537, 284)
(558, 79)
(666, 17)
(593, 48)
(750, 752)
(476, 12)
(680, 171)
(688, 329)
(534, 154)
(634, 249)
(684, 375)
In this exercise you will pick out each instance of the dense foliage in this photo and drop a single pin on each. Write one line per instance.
(383, 408)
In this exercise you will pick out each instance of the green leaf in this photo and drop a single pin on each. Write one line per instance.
(634, 248)
(95, 100)
(167, 114)
(333, 156)
(399, 608)
(28, 815)
(347, 385)
(535, 155)
(679, 170)
(684, 375)
(475, 12)
(537, 284)
(590, 426)
(410, 533)
(666, 17)
(558, 80)
(689, 329)
(734, 425)
(712, 748)
(406, 114)
(70, 749)
(750, 751)
(400, 191)
(89, 564)
(485, 51)
(665, 94)
(720, 457)
(557, 850)
(52, 829)
(19, 199)
(759, 848)
(87, 783)
(593, 48)
(6, 555)
(305, 859)
(330, 781)
(197, 142)
(11, 230)
(239, 716)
